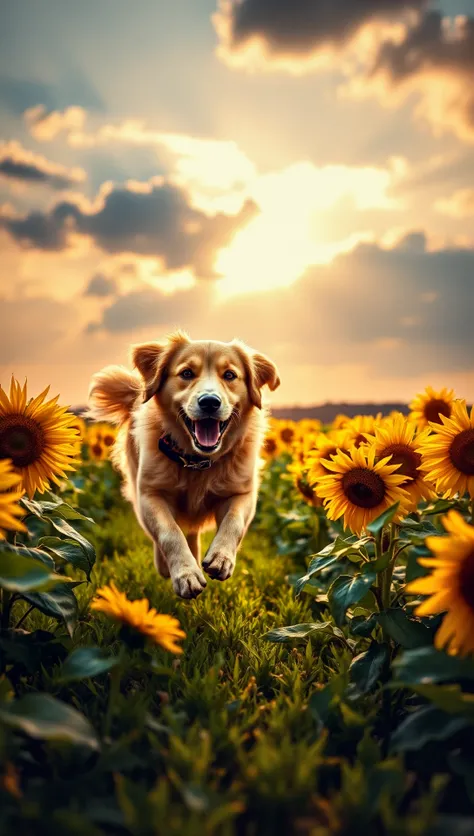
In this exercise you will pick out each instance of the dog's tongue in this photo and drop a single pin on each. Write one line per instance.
(207, 432)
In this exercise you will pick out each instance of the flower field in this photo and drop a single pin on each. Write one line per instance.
(327, 688)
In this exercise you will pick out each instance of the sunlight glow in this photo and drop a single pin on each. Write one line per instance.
(282, 241)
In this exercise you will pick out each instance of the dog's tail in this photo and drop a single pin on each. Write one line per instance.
(113, 393)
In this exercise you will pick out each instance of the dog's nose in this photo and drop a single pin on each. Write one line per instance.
(209, 403)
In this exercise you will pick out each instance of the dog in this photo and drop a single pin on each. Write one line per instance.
(192, 428)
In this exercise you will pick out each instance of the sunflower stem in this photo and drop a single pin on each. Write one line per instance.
(6, 608)
(24, 617)
(115, 680)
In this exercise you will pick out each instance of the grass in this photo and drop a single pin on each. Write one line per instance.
(235, 737)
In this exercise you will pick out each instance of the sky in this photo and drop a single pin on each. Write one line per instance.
(298, 175)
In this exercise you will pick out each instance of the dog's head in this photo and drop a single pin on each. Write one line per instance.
(205, 389)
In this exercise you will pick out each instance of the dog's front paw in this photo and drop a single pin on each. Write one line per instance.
(189, 582)
(219, 564)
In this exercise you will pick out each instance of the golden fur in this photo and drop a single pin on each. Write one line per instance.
(173, 503)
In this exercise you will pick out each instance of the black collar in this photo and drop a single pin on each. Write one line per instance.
(168, 446)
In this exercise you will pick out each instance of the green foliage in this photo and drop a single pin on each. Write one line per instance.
(308, 700)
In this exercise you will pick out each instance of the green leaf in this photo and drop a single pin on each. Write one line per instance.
(414, 569)
(324, 700)
(360, 625)
(30, 650)
(301, 631)
(427, 665)
(42, 716)
(84, 663)
(330, 555)
(376, 526)
(449, 698)
(34, 553)
(69, 551)
(59, 603)
(63, 509)
(317, 565)
(440, 506)
(405, 631)
(418, 529)
(426, 724)
(367, 668)
(54, 506)
(20, 573)
(347, 590)
(64, 528)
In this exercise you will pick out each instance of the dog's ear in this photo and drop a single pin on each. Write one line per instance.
(260, 371)
(152, 359)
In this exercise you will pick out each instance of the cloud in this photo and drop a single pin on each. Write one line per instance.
(45, 124)
(436, 60)
(459, 205)
(101, 286)
(24, 166)
(389, 49)
(298, 32)
(154, 218)
(149, 308)
(399, 312)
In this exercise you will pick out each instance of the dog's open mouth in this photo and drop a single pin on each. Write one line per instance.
(206, 432)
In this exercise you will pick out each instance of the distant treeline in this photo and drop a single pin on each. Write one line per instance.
(328, 411)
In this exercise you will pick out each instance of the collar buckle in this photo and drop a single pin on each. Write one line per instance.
(204, 464)
(172, 451)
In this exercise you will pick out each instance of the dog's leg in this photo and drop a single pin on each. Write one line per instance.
(194, 543)
(186, 575)
(233, 517)
(160, 563)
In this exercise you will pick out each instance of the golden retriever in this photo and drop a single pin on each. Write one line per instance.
(192, 430)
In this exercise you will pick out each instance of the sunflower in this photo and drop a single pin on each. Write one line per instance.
(9, 510)
(395, 438)
(139, 616)
(97, 447)
(324, 447)
(109, 434)
(307, 427)
(286, 431)
(340, 421)
(299, 471)
(38, 437)
(272, 446)
(359, 489)
(429, 406)
(450, 585)
(447, 454)
(360, 425)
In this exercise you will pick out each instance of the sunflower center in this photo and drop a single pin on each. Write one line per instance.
(435, 408)
(270, 446)
(466, 580)
(363, 487)
(304, 489)
(359, 439)
(21, 440)
(407, 458)
(462, 452)
(96, 450)
(287, 434)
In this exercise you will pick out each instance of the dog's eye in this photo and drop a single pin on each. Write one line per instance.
(187, 374)
(229, 375)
